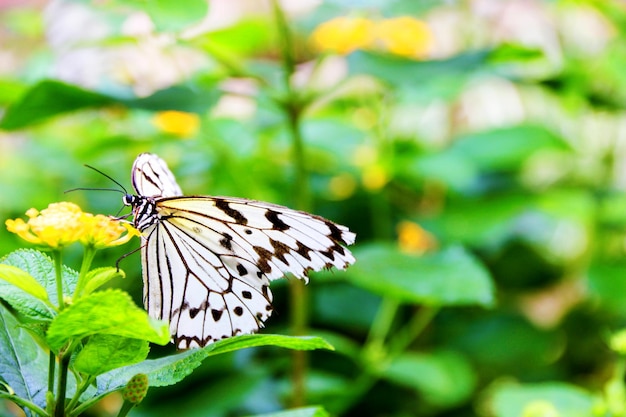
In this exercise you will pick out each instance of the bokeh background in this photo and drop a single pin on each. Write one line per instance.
(476, 147)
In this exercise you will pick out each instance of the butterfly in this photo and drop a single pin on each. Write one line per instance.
(207, 262)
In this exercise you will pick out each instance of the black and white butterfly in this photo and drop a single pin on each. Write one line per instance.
(208, 261)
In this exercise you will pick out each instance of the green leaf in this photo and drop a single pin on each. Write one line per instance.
(109, 312)
(172, 369)
(41, 268)
(444, 379)
(606, 285)
(23, 364)
(506, 148)
(50, 98)
(402, 71)
(24, 281)
(254, 340)
(103, 353)
(99, 276)
(161, 372)
(511, 400)
(449, 277)
(314, 411)
(167, 15)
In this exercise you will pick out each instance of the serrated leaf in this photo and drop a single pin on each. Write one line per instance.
(41, 268)
(99, 276)
(24, 281)
(172, 369)
(104, 352)
(449, 277)
(23, 364)
(111, 312)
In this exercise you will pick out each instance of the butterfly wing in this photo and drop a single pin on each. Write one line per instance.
(213, 258)
(152, 178)
(207, 261)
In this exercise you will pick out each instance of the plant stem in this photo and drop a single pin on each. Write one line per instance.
(126, 407)
(24, 403)
(56, 255)
(64, 362)
(79, 391)
(293, 111)
(413, 329)
(52, 360)
(382, 323)
(90, 253)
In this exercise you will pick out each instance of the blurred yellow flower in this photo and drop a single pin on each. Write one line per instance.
(178, 123)
(618, 342)
(412, 238)
(342, 186)
(61, 224)
(405, 36)
(100, 231)
(374, 177)
(343, 34)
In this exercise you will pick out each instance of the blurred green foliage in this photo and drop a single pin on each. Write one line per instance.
(506, 150)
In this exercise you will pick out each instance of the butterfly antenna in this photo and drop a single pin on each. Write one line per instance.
(93, 189)
(109, 177)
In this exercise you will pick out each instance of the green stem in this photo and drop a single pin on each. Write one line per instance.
(24, 403)
(382, 322)
(406, 335)
(126, 407)
(293, 111)
(64, 362)
(56, 255)
(90, 253)
(79, 391)
(51, 367)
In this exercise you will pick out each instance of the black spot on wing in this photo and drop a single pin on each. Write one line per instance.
(226, 242)
(217, 314)
(265, 257)
(242, 270)
(277, 223)
(280, 249)
(231, 212)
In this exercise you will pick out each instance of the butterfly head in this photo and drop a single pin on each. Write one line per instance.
(130, 200)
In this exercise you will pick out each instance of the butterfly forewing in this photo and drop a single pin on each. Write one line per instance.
(207, 261)
(152, 178)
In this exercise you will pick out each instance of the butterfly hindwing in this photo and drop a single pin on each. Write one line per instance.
(207, 261)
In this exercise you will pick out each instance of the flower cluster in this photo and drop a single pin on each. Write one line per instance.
(405, 36)
(61, 224)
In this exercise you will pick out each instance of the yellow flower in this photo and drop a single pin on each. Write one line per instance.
(412, 238)
(56, 226)
(343, 34)
(374, 177)
(61, 224)
(177, 123)
(405, 36)
(102, 232)
(342, 186)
